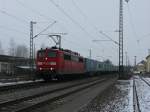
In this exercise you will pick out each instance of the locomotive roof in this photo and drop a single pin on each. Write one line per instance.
(64, 50)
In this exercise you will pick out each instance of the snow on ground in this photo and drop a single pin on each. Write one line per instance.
(118, 98)
(148, 80)
(143, 91)
(17, 82)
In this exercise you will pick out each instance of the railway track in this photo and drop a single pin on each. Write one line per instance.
(4, 89)
(26, 103)
(19, 85)
(145, 81)
(136, 105)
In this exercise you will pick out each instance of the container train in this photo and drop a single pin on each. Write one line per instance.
(61, 63)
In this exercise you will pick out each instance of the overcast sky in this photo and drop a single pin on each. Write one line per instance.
(81, 20)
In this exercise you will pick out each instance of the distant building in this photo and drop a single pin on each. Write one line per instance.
(141, 67)
(8, 64)
(148, 63)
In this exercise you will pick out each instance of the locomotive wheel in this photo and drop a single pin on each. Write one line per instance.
(47, 78)
(60, 78)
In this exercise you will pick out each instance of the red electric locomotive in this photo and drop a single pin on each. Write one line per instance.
(58, 63)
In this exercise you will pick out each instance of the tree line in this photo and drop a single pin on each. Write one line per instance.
(18, 50)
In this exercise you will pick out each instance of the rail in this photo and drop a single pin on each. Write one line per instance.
(136, 105)
(37, 100)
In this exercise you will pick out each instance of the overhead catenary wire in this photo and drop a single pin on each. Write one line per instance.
(73, 36)
(12, 29)
(79, 9)
(13, 16)
(83, 14)
(132, 25)
(136, 36)
(109, 37)
(69, 17)
(94, 27)
(33, 10)
(50, 25)
(147, 35)
(18, 19)
(144, 37)
(78, 45)
(66, 14)
(75, 44)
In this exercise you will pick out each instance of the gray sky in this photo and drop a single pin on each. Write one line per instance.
(82, 20)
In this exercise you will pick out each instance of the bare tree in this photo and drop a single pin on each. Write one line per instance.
(17, 50)
(22, 51)
(1, 49)
(12, 48)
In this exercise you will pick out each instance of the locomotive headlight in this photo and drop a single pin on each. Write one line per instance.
(52, 63)
(51, 68)
(39, 63)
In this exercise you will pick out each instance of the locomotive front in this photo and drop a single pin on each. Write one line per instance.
(47, 63)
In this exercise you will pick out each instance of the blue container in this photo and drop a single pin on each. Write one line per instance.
(90, 65)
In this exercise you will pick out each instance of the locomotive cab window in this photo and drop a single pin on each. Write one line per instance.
(41, 54)
(52, 54)
(67, 57)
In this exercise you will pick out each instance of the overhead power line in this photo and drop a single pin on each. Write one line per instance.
(100, 40)
(79, 9)
(68, 16)
(12, 29)
(95, 28)
(93, 25)
(132, 24)
(13, 16)
(75, 44)
(83, 14)
(133, 28)
(144, 37)
(50, 25)
(75, 22)
(147, 35)
(109, 37)
(33, 10)
(79, 45)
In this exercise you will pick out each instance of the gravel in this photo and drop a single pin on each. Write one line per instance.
(117, 98)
